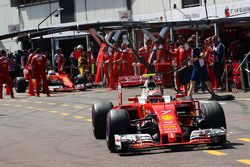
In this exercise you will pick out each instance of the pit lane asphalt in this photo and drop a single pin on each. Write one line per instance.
(57, 132)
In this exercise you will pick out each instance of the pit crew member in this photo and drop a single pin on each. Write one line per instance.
(4, 74)
(39, 67)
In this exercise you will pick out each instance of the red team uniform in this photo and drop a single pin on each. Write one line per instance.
(4, 76)
(127, 62)
(39, 63)
(61, 62)
(210, 66)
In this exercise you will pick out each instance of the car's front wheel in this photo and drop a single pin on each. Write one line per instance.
(99, 113)
(20, 84)
(117, 123)
(214, 117)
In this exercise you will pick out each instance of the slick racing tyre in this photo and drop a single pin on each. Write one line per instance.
(214, 117)
(117, 123)
(80, 79)
(99, 113)
(21, 85)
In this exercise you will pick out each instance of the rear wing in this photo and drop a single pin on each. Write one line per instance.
(137, 80)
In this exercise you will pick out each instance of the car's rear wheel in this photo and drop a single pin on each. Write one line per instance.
(214, 117)
(99, 113)
(20, 85)
(117, 123)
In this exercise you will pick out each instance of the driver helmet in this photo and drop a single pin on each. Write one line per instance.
(51, 72)
(79, 47)
(151, 85)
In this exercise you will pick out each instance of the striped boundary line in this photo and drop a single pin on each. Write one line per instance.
(52, 111)
(244, 161)
(214, 152)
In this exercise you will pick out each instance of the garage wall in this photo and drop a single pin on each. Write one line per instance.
(98, 10)
(31, 16)
(9, 16)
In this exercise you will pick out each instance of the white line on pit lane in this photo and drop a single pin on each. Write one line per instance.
(221, 103)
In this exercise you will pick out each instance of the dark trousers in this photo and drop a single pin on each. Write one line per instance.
(245, 75)
(218, 68)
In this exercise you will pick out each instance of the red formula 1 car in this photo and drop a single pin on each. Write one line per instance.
(154, 120)
(57, 82)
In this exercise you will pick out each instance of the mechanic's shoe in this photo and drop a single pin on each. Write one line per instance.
(37, 95)
(214, 97)
(12, 96)
(220, 89)
(48, 95)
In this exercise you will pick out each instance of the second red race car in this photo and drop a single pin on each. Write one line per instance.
(57, 82)
(154, 120)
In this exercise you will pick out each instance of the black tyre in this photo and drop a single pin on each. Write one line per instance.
(21, 85)
(80, 79)
(99, 114)
(117, 123)
(214, 117)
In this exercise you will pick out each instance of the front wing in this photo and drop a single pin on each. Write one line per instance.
(145, 141)
(60, 88)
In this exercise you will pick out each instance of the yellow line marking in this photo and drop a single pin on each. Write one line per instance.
(38, 102)
(53, 111)
(65, 105)
(18, 106)
(88, 120)
(52, 103)
(244, 139)
(65, 114)
(213, 152)
(78, 117)
(245, 161)
(30, 107)
(77, 107)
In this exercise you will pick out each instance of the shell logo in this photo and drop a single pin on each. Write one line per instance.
(167, 117)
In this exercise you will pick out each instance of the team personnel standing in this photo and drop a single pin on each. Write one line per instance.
(116, 62)
(209, 61)
(182, 54)
(107, 66)
(59, 60)
(143, 53)
(12, 65)
(127, 60)
(39, 67)
(82, 59)
(200, 73)
(4, 74)
(218, 57)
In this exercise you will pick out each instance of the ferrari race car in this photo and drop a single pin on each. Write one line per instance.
(57, 82)
(154, 120)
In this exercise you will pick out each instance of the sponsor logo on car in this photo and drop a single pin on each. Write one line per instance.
(167, 117)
